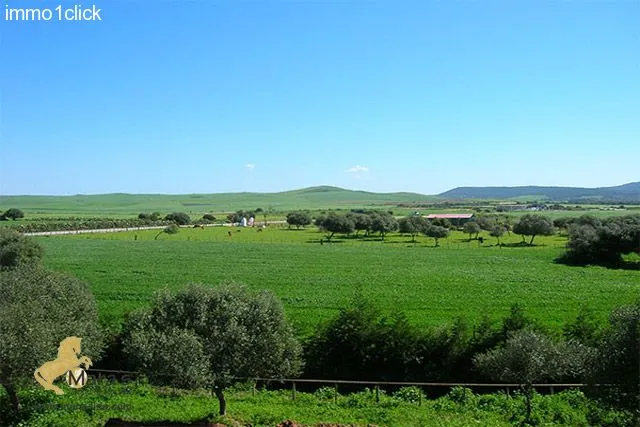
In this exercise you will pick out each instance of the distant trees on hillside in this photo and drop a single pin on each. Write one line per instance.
(179, 218)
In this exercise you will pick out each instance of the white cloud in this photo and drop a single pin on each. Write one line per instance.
(357, 169)
(250, 166)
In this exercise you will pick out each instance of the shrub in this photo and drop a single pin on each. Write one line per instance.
(16, 249)
(179, 218)
(13, 213)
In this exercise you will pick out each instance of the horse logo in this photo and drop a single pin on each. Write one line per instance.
(66, 363)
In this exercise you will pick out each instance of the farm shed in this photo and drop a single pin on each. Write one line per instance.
(456, 219)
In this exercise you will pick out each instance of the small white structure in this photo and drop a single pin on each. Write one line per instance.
(251, 220)
(243, 222)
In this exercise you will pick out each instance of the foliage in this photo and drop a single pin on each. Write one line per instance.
(617, 360)
(382, 223)
(65, 224)
(437, 233)
(298, 218)
(179, 218)
(335, 223)
(215, 334)
(13, 213)
(413, 225)
(471, 228)
(208, 217)
(38, 309)
(533, 225)
(360, 343)
(440, 222)
(497, 231)
(17, 249)
(592, 241)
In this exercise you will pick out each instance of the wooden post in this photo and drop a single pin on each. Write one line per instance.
(335, 396)
(420, 397)
(253, 389)
(377, 393)
(293, 391)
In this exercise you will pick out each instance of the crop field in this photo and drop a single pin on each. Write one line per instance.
(431, 285)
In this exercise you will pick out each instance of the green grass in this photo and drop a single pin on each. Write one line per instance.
(99, 401)
(431, 285)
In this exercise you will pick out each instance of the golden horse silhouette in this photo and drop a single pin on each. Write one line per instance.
(68, 350)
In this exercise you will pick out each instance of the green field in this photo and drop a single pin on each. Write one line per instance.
(431, 285)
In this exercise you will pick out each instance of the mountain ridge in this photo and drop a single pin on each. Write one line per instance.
(629, 191)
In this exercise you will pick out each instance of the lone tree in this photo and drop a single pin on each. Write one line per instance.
(470, 228)
(13, 213)
(38, 309)
(533, 225)
(208, 337)
(17, 249)
(179, 218)
(413, 225)
(437, 233)
(298, 219)
(529, 357)
(334, 223)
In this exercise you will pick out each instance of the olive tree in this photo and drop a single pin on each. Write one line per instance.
(437, 233)
(529, 357)
(413, 225)
(470, 228)
(497, 231)
(383, 223)
(533, 225)
(298, 218)
(209, 336)
(17, 249)
(38, 309)
(334, 223)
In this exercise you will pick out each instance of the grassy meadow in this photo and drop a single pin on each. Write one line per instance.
(431, 285)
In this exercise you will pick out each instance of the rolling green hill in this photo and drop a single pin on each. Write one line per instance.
(623, 193)
(131, 204)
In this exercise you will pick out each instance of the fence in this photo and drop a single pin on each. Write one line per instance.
(376, 384)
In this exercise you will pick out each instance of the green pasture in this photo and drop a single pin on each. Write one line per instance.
(431, 285)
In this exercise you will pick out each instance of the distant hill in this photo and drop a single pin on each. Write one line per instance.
(122, 204)
(621, 193)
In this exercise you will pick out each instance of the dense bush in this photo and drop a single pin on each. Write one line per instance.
(16, 249)
(13, 213)
(179, 218)
(38, 309)
(592, 241)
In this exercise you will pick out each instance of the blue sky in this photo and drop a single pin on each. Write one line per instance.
(217, 96)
